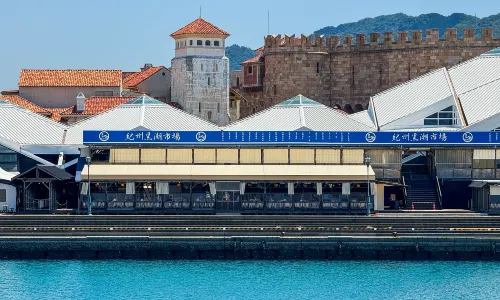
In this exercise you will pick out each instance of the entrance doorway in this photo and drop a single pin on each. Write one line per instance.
(227, 196)
(228, 201)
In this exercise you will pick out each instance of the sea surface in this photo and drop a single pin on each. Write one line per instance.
(136, 279)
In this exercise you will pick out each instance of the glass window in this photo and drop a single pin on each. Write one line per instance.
(104, 93)
(216, 43)
(190, 42)
(9, 157)
(250, 70)
(199, 42)
(208, 81)
(207, 43)
(446, 117)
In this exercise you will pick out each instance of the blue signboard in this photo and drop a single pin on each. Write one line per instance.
(341, 138)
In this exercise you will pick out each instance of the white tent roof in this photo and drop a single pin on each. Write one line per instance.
(411, 96)
(299, 113)
(147, 113)
(23, 126)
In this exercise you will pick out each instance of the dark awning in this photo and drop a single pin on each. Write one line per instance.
(478, 184)
(52, 172)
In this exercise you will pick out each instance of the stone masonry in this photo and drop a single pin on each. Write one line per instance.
(347, 74)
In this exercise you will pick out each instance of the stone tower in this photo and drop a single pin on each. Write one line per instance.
(200, 71)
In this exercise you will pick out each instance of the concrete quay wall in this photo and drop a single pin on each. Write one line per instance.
(247, 247)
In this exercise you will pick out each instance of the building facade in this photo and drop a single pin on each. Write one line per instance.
(345, 74)
(200, 71)
(59, 88)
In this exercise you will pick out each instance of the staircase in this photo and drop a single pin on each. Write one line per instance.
(422, 193)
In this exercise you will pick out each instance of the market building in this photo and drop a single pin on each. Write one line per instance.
(423, 144)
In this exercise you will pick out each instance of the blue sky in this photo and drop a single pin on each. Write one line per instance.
(124, 34)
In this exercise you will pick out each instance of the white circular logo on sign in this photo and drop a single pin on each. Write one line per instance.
(201, 137)
(467, 137)
(370, 137)
(104, 136)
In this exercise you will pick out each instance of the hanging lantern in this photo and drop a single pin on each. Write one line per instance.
(249, 184)
(122, 184)
(330, 185)
(358, 185)
(275, 185)
(179, 184)
(204, 185)
(304, 185)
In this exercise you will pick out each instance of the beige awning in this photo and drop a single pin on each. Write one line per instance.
(229, 172)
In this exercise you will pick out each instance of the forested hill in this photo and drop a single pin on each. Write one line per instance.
(402, 22)
(238, 54)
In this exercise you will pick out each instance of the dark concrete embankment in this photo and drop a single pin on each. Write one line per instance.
(251, 247)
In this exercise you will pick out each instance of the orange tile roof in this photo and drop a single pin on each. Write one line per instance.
(17, 100)
(134, 79)
(199, 26)
(70, 78)
(56, 113)
(252, 60)
(97, 105)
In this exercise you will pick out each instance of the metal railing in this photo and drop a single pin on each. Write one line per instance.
(440, 195)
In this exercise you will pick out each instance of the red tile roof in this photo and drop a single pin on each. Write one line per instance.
(70, 78)
(17, 100)
(56, 113)
(199, 26)
(97, 105)
(134, 79)
(252, 60)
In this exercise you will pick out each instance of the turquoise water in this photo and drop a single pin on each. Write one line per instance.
(114, 279)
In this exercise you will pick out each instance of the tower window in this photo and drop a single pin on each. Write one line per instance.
(275, 90)
(216, 67)
(208, 81)
(216, 43)
(250, 69)
(218, 107)
(207, 43)
(237, 81)
(190, 42)
(209, 115)
(202, 67)
(199, 42)
(199, 107)
(317, 67)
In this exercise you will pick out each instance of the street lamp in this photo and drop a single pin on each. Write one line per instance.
(89, 202)
(368, 160)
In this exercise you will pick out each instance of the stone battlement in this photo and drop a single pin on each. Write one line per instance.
(377, 41)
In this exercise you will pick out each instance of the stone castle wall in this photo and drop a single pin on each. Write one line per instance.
(346, 74)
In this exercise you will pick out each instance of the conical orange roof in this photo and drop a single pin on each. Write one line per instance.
(199, 26)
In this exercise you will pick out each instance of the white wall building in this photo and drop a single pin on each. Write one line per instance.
(200, 71)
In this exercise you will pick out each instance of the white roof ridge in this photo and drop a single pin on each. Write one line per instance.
(410, 81)
(479, 86)
(482, 56)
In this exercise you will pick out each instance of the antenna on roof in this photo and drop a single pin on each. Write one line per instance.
(268, 22)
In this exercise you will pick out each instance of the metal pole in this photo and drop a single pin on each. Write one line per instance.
(89, 201)
(368, 189)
